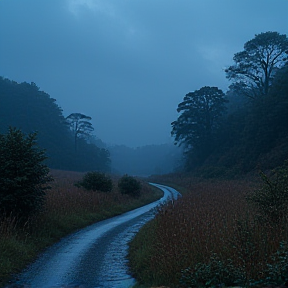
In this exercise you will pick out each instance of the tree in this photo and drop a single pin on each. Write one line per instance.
(24, 106)
(129, 185)
(29, 109)
(23, 176)
(79, 125)
(201, 112)
(255, 67)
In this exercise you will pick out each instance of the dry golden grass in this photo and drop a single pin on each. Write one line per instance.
(213, 217)
(66, 209)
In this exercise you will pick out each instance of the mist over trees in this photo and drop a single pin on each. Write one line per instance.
(252, 120)
(231, 132)
(27, 108)
(145, 160)
(80, 126)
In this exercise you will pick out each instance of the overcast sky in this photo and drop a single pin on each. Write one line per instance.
(129, 63)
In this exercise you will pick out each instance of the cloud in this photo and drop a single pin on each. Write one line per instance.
(96, 6)
(128, 63)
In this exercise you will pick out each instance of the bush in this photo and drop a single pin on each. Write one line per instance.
(215, 273)
(271, 200)
(96, 181)
(23, 176)
(129, 185)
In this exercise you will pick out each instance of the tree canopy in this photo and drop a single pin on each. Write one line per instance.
(80, 126)
(23, 175)
(199, 120)
(253, 134)
(26, 107)
(255, 66)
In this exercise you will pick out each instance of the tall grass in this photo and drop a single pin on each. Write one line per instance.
(67, 208)
(209, 237)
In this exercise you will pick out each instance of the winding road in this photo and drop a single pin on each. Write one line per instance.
(94, 256)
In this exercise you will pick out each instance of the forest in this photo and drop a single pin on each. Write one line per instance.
(246, 128)
(69, 142)
(67, 147)
(230, 228)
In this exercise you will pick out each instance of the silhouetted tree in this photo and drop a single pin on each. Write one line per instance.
(80, 126)
(255, 66)
(255, 134)
(200, 116)
(26, 107)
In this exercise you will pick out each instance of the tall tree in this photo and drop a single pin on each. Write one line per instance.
(200, 116)
(23, 175)
(80, 126)
(255, 66)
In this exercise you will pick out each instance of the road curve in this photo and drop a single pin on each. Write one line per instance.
(94, 256)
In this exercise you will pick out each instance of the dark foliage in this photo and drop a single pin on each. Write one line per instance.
(96, 181)
(200, 116)
(253, 134)
(129, 185)
(80, 126)
(23, 176)
(255, 66)
(26, 107)
(271, 200)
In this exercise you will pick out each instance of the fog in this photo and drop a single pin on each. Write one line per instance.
(128, 64)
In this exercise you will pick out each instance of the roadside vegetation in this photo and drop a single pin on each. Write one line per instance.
(228, 229)
(221, 233)
(66, 208)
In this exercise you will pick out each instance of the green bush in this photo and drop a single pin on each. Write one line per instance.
(96, 181)
(277, 268)
(23, 176)
(129, 185)
(215, 273)
(271, 200)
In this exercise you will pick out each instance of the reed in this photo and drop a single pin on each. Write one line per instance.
(209, 237)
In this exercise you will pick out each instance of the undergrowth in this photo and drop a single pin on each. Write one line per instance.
(213, 237)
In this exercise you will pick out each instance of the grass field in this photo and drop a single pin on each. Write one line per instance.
(67, 208)
(211, 236)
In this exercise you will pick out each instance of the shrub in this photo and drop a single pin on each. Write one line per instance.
(215, 273)
(271, 200)
(129, 185)
(23, 176)
(96, 181)
(277, 269)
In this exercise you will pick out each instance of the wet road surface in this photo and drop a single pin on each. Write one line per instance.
(93, 257)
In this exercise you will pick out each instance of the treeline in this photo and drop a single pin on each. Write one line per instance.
(247, 127)
(145, 160)
(25, 107)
